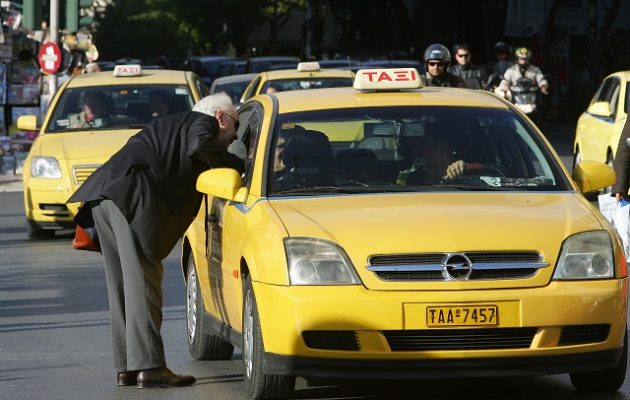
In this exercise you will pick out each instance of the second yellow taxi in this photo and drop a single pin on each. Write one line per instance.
(599, 127)
(90, 118)
(307, 75)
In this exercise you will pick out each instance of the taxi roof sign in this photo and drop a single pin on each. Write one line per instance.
(308, 66)
(387, 79)
(128, 70)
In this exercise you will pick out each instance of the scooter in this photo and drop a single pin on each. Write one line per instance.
(525, 96)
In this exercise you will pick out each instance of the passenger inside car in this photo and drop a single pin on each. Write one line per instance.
(159, 103)
(308, 161)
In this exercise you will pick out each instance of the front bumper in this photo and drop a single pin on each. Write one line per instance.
(370, 317)
(45, 203)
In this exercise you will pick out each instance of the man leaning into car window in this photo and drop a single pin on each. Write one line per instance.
(141, 202)
(96, 111)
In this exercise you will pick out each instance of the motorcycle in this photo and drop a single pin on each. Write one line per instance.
(525, 96)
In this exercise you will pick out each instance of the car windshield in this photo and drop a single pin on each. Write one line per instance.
(117, 107)
(396, 149)
(233, 89)
(284, 85)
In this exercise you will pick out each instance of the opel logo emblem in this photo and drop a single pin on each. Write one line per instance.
(456, 267)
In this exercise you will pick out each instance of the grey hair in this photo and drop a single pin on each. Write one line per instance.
(213, 103)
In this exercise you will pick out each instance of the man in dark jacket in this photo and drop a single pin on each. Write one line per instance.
(141, 202)
(473, 76)
(622, 164)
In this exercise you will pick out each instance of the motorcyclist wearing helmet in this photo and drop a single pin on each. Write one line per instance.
(523, 69)
(436, 61)
(502, 60)
(473, 76)
(497, 67)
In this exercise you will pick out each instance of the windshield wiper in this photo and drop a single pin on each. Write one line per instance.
(311, 190)
(128, 126)
(470, 187)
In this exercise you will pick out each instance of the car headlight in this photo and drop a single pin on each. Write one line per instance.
(314, 261)
(587, 255)
(45, 167)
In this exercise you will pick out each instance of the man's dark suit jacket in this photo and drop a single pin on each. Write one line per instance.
(152, 179)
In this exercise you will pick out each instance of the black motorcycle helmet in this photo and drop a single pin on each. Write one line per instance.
(438, 52)
(501, 47)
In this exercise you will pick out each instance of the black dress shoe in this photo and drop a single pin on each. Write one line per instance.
(162, 377)
(127, 378)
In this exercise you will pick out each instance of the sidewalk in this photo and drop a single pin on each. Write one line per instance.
(10, 183)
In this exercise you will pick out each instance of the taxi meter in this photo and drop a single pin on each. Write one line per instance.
(387, 79)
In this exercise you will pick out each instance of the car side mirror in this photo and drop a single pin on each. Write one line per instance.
(600, 108)
(593, 175)
(27, 122)
(628, 143)
(224, 183)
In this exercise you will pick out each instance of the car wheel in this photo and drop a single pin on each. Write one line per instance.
(604, 381)
(33, 231)
(258, 384)
(201, 345)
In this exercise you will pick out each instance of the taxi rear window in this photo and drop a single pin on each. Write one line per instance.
(284, 85)
(117, 107)
(408, 149)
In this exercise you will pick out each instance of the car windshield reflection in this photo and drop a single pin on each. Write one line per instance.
(402, 149)
(117, 107)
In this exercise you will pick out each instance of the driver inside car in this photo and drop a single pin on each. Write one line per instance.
(428, 157)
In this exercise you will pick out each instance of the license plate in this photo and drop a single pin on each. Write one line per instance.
(478, 315)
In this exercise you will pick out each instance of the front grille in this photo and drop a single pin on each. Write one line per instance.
(82, 172)
(582, 334)
(331, 340)
(429, 266)
(460, 339)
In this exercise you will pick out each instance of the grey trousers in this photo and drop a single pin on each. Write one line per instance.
(134, 286)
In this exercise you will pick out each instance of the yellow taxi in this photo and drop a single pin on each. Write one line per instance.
(75, 139)
(307, 75)
(599, 127)
(446, 239)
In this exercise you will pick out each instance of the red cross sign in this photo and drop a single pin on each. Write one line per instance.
(49, 58)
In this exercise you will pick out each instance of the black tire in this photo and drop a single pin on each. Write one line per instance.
(603, 381)
(201, 345)
(34, 231)
(258, 384)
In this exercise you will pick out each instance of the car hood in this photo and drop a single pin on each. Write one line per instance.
(84, 146)
(441, 222)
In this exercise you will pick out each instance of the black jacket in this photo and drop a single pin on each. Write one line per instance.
(445, 79)
(473, 76)
(622, 162)
(152, 179)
